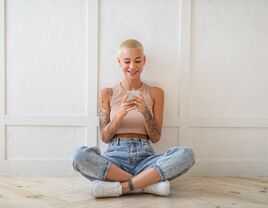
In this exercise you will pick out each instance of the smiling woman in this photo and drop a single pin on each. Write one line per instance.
(129, 126)
(131, 58)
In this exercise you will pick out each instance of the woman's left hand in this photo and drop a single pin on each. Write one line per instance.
(141, 104)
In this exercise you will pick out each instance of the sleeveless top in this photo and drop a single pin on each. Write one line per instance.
(134, 121)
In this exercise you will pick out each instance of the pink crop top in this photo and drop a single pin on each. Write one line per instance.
(133, 122)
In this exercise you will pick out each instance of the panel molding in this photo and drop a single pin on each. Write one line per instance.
(204, 167)
(185, 121)
(45, 120)
(2, 79)
(92, 72)
(41, 167)
(229, 122)
(184, 51)
(89, 120)
(169, 121)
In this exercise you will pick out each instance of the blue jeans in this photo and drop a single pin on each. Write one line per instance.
(133, 156)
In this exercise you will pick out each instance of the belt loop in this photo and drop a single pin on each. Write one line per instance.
(118, 141)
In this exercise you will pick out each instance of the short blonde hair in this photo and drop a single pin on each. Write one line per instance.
(130, 43)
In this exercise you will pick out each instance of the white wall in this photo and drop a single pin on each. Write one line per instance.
(48, 95)
(228, 91)
(208, 56)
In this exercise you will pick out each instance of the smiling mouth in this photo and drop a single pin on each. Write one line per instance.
(132, 73)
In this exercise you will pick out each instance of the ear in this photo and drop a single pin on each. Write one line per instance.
(144, 59)
(118, 60)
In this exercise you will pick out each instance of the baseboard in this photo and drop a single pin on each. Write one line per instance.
(230, 168)
(36, 167)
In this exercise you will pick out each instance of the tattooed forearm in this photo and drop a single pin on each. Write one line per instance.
(154, 132)
(106, 127)
(104, 119)
(109, 131)
(104, 114)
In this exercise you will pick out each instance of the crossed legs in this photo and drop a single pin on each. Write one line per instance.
(91, 164)
(143, 179)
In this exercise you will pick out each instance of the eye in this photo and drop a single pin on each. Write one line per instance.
(137, 62)
(127, 62)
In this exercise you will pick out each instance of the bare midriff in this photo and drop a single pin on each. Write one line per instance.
(130, 135)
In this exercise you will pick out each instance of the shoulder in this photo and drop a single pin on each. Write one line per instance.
(156, 92)
(106, 93)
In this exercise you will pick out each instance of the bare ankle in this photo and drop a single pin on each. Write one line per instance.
(125, 188)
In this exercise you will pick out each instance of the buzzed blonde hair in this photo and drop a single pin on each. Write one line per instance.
(130, 43)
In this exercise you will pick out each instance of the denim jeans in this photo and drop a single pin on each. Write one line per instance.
(133, 156)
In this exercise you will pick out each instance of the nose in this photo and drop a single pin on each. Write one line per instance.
(132, 64)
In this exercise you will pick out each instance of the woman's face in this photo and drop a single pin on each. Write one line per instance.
(131, 61)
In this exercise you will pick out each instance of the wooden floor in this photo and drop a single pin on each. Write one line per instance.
(73, 192)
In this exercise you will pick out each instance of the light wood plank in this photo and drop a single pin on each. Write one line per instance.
(201, 192)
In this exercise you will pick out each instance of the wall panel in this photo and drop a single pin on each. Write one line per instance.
(46, 143)
(48, 90)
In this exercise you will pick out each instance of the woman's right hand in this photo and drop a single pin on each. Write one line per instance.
(126, 106)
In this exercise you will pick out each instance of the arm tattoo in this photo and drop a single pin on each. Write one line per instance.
(104, 116)
(110, 91)
(111, 129)
(150, 123)
(106, 126)
(104, 119)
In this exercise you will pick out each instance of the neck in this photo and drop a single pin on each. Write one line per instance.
(131, 84)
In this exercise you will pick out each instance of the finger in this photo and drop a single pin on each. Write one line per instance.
(139, 102)
(141, 95)
(132, 102)
(138, 99)
(128, 106)
(132, 108)
(127, 102)
(125, 98)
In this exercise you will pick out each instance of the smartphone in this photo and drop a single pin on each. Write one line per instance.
(132, 94)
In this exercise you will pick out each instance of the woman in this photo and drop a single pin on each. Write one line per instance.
(128, 125)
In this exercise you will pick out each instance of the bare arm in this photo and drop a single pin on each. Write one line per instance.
(108, 128)
(153, 123)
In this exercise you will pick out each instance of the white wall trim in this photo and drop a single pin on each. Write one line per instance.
(185, 40)
(231, 122)
(92, 73)
(230, 167)
(41, 167)
(45, 120)
(169, 121)
(2, 79)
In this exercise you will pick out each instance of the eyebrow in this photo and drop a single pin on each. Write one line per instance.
(129, 58)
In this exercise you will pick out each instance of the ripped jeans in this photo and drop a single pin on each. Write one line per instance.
(133, 156)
